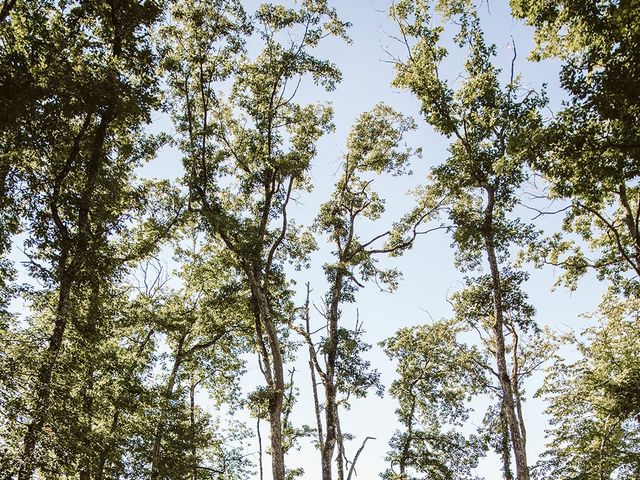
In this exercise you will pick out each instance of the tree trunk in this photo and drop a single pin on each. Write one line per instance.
(259, 448)
(517, 397)
(68, 270)
(329, 381)
(276, 404)
(331, 433)
(192, 425)
(156, 454)
(522, 469)
(504, 442)
(341, 454)
(314, 389)
(272, 369)
(314, 382)
(43, 392)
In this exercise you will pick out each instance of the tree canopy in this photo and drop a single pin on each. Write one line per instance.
(190, 273)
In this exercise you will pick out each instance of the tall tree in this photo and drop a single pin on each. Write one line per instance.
(438, 377)
(593, 401)
(527, 349)
(90, 86)
(589, 151)
(247, 153)
(375, 146)
(206, 325)
(441, 373)
(479, 180)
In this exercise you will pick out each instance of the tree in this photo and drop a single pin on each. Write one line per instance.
(479, 180)
(593, 401)
(438, 377)
(374, 147)
(527, 350)
(589, 152)
(442, 369)
(246, 154)
(123, 362)
(206, 326)
(76, 127)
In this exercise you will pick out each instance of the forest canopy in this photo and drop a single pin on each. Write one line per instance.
(194, 284)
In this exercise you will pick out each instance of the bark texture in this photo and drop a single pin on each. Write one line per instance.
(506, 385)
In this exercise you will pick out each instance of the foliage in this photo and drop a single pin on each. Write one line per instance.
(129, 306)
(479, 181)
(589, 151)
(593, 402)
(438, 377)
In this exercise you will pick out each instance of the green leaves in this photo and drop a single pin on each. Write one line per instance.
(437, 378)
(375, 142)
(593, 401)
(374, 146)
(113, 364)
(589, 153)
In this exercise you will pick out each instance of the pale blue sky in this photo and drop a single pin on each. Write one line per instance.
(429, 275)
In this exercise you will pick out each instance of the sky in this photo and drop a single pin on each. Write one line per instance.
(429, 277)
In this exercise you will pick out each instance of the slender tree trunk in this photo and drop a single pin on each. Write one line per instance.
(505, 444)
(66, 274)
(43, 392)
(68, 269)
(330, 390)
(515, 381)
(312, 370)
(341, 453)
(324, 465)
(276, 404)
(259, 448)
(156, 455)
(522, 469)
(331, 435)
(192, 425)
(631, 221)
(272, 369)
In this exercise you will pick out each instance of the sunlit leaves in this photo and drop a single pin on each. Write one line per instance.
(594, 400)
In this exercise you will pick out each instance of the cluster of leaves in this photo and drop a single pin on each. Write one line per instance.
(593, 402)
(438, 377)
